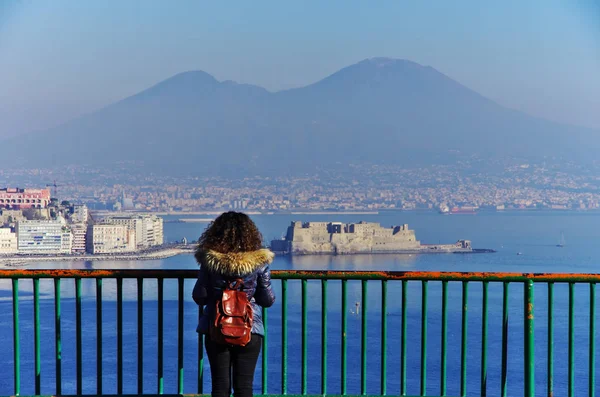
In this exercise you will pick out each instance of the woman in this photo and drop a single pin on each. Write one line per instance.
(229, 250)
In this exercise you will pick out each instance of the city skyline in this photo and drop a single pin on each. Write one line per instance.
(550, 185)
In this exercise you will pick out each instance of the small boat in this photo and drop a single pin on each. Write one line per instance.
(519, 253)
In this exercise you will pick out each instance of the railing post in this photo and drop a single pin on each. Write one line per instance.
(344, 336)
(571, 359)
(99, 336)
(284, 337)
(504, 376)
(444, 352)
(529, 340)
(119, 335)
(363, 343)
(592, 358)
(484, 337)
(383, 380)
(463, 339)
(304, 337)
(180, 287)
(200, 356)
(78, 342)
(57, 337)
(140, 336)
(550, 369)
(265, 361)
(424, 338)
(403, 340)
(159, 332)
(36, 332)
(16, 342)
(324, 336)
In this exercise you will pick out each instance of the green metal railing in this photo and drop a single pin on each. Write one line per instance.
(384, 281)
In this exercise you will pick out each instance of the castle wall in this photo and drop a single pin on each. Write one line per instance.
(363, 237)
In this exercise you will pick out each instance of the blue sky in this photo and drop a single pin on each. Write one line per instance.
(60, 59)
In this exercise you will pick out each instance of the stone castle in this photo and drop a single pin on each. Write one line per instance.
(354, 238)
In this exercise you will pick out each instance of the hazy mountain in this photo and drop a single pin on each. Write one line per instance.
(378, 110)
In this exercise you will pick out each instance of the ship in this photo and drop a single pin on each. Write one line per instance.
(464, 210)
(337, 238)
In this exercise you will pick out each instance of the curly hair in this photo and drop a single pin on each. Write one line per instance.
(230, 232)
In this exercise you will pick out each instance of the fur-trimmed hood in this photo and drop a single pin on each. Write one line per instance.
(234, 263)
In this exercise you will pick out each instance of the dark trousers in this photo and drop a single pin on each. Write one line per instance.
(235, 362)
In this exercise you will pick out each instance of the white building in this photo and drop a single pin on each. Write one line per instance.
(153, 231)
(43, 237)
(110, 239)
(8, 241)
(148, 228)
(79, 231)
(66, 242)
(80, 213)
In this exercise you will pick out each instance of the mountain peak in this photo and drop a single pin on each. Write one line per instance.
(192, 77)
(182, 84)
(387, 71)
(387, 62)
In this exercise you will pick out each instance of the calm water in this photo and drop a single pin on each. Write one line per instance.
(532, 234)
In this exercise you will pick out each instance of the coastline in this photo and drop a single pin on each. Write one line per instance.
(22, 260)
(191, 220)
(391, 252)
(379, 211)
(252, 212)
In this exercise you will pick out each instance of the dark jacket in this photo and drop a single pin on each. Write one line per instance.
(217, 268)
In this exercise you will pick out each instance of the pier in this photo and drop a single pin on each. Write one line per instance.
(162, 252)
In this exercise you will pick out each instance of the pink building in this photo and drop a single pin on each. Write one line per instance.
(15, 198)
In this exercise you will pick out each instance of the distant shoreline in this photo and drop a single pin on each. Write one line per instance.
(23, 260)
(191, 220)
(333, 213)
(392, 252)
(269, 212)
(349, 212)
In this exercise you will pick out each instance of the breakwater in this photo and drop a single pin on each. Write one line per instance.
(21, 260)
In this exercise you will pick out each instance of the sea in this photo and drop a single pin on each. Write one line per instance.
(524, 241)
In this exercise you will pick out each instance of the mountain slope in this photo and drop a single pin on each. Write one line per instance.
(379, 109)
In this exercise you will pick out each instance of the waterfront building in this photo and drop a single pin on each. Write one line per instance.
(15, 198)
(66, 241)
(154, 231)
(148, 228)
(8, 241)
(106, 238)
(43, 237)
(79, 231)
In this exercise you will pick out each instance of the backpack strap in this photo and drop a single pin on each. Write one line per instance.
(237, 285)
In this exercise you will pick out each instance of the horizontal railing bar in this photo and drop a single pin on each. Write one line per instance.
(203, 395)
(308, 274)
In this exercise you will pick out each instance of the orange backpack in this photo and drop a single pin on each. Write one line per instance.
(233, 317)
